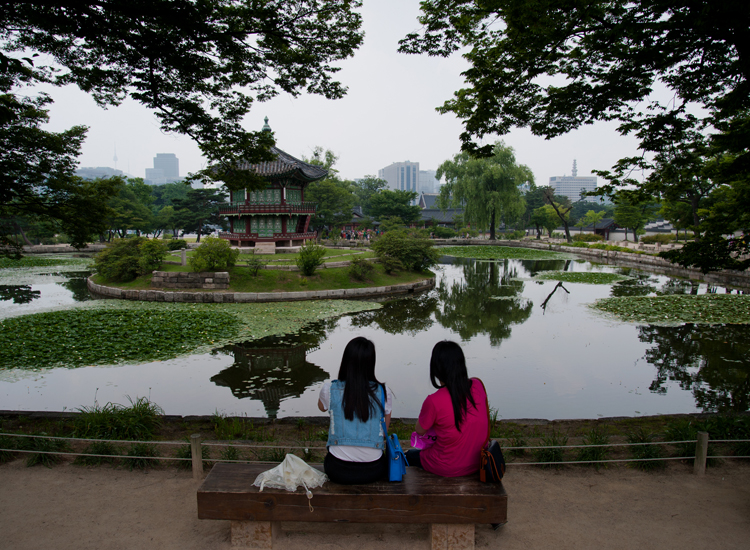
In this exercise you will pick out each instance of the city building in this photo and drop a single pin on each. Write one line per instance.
(98, 172)
(428, 183)
(277, 215)
(166, 169)
(401, 176)
(571, 186)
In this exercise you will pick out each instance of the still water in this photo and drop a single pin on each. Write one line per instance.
(538, 347)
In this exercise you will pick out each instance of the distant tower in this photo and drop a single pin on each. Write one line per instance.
(575, 169)
(115, 157)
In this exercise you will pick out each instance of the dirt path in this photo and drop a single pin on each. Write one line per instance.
(70, 507)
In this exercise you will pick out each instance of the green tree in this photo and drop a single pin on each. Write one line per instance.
(37, 181)
(127, 212)
(561, 206)
(365, 188)
(590, 218)
(555, 65)
(213, 255)
(633, 213)
(333, 196)
(199, 208)
(546, 217)
(487, 188)
(389, 203)
(198, 65)
(401, 249)
(125, 259)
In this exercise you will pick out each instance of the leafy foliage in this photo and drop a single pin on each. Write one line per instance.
(360, 269)
(86, 337)
(98, 448)
(213, 255)
(390, 203)
(46, 447)
(587, 277)
(590, 455)
(94, 335)
(413, 252)
(112, 421)
(501, 253)
(126, 259)
(310, 258)
(176, 244)
(199, 208)
(554, 439)
(675, 309)
(487, 189)
(645, 454)
(141, 456)
(198, 65)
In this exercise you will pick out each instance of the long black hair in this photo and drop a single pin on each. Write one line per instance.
(448, 369)
(358, 371)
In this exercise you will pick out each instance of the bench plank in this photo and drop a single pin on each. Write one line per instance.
(228, 493)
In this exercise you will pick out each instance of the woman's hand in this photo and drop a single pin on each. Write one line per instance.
(320, 406)
(419, 429)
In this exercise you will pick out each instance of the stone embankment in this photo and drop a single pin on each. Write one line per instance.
(205, 280)
(737, 279)
(250, 297)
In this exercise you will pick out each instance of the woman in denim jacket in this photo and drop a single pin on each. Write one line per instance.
(354, 403)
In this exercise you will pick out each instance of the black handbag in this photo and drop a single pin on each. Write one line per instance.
(491, 459)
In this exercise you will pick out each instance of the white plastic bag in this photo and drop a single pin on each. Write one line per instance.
(290, 474)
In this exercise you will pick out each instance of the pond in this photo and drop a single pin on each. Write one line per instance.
(539, 347)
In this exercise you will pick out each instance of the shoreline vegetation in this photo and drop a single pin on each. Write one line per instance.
(262, 439)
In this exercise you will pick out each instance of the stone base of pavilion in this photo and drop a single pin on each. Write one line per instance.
(267, 248)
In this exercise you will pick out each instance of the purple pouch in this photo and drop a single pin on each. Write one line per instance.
(423, 441)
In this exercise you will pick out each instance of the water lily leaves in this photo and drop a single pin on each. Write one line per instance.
(501, 253)
(677, 309)
(586, 277)
(111, 332)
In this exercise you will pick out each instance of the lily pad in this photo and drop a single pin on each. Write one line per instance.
(112, 331)
(586, 277)
(501, 253)
(708, 309)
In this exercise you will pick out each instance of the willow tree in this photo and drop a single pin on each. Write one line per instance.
(488, 189)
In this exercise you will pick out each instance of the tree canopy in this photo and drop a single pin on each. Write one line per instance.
(199, 65)
(673, 73)
(488, 189)
(389, 203)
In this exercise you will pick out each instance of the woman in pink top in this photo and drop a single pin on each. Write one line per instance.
(458, 414)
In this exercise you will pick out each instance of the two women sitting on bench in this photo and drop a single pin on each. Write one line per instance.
(457, 412)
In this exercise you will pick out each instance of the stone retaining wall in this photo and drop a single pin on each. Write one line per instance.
(206, 280)
(249, 297)
(739, 279)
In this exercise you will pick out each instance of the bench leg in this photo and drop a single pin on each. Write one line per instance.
(452, 536)
(254, 534)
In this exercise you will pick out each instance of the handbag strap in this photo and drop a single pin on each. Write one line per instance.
(382, 408)
(487, 402)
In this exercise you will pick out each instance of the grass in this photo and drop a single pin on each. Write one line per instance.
(554, 439)
(112, 421)
(139, 454)
(239, 428)
(501, 253)
(677, 309)
(645, 453)
(46, 446)
(98, 448)
(185, 451)
(7, 443)
(589, 455)
(586, 277)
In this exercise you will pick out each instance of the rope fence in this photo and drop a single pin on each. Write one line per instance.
(197, 446)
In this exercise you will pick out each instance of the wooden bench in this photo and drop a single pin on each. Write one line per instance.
(452, 506)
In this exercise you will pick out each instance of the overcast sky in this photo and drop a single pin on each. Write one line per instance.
(387, 116)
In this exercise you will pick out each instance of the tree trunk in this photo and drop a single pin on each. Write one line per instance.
(23, 235)
(492, 225)
(696, 220)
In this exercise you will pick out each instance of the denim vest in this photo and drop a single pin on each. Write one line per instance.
(354, 432)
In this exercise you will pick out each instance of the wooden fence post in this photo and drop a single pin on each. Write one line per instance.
(701, 452)
(197, 455)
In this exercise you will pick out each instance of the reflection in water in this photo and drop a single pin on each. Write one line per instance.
(76, 284)
(645, 284)
(408, 315)
(274, 368)
(487, 301)
(533, 267)
(712, 361)
(558, 285)
(20, 294)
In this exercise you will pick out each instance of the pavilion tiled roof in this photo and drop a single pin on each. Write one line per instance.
(286, 165)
